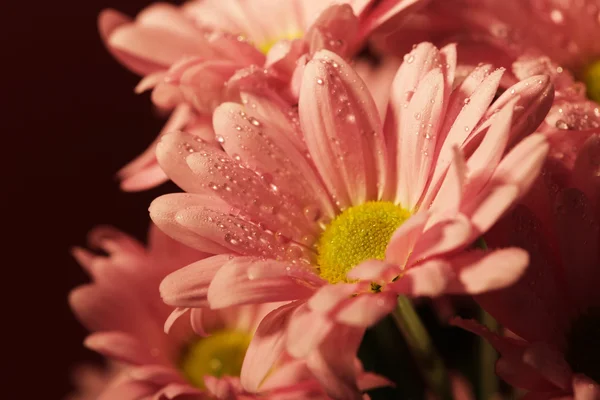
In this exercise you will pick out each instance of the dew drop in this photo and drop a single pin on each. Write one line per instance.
(312, 213)
(561, 124)
(557, 16)
(220, 139)
(319, 81)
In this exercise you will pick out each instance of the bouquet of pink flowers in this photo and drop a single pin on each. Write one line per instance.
(379, 199)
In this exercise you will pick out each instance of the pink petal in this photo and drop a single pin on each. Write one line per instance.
(366, 309)
(535, 96)
(451, 192)
(521, 166)
(200, 168)
(335, 27)
(110, 21)
(234, 284)
(174, 317)
(232, 231)
(510, 366)
(388, 14)
(263, 146)
(472, 272)
(286, 376)
(404, 239)
(120, 346)
(164, 211)
(230, 47)
(266, 347)
(585, 388)
(443, 237)
(550, 363)
(418, 63)
(480, 271)
(464, 113)
(329, 297)
(178, 120)
(333, 363)
(306, 330)
(375, 271)
(488, 206)
(154, 45)
(201, 82)
(175, 390)
(418, 138)
(155, 374)
(188, 286)
(127, 390)
(343, 132)
(487, 156)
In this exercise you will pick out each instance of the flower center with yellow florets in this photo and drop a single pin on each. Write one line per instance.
(217, 355)
(583, 353)
(359, 233)
(591, 77)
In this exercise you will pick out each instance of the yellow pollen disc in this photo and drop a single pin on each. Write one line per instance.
(221, 353)
(267, 45)
(591, 77)
(359, 233)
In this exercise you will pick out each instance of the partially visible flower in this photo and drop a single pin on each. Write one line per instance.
(201, 360)
(197, 56)
(554, 37)
(555, 308)
(339, 211)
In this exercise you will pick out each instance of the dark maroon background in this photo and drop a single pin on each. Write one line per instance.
(70, 120)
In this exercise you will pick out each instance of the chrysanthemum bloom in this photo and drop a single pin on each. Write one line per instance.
(554, 37)
(196, 56)
(124, 310)
(555, 308)
(341, 212)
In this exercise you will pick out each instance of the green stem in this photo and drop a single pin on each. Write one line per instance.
(420, 344)
(489, 385)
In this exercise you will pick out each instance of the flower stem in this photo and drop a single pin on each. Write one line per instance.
(488, 381)
(428, 360)
(489, 384)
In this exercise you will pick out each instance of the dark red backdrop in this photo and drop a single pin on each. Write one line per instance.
(70, 120)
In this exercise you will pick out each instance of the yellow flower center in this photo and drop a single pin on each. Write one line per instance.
(268, 44)
(359, 233)
(220, 354)
(591, 77)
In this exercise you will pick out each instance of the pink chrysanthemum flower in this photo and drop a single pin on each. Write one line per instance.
(196, 56)
(340, 211)
(124, 310)
(555, 308)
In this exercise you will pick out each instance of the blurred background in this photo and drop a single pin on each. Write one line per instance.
(70, 121)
